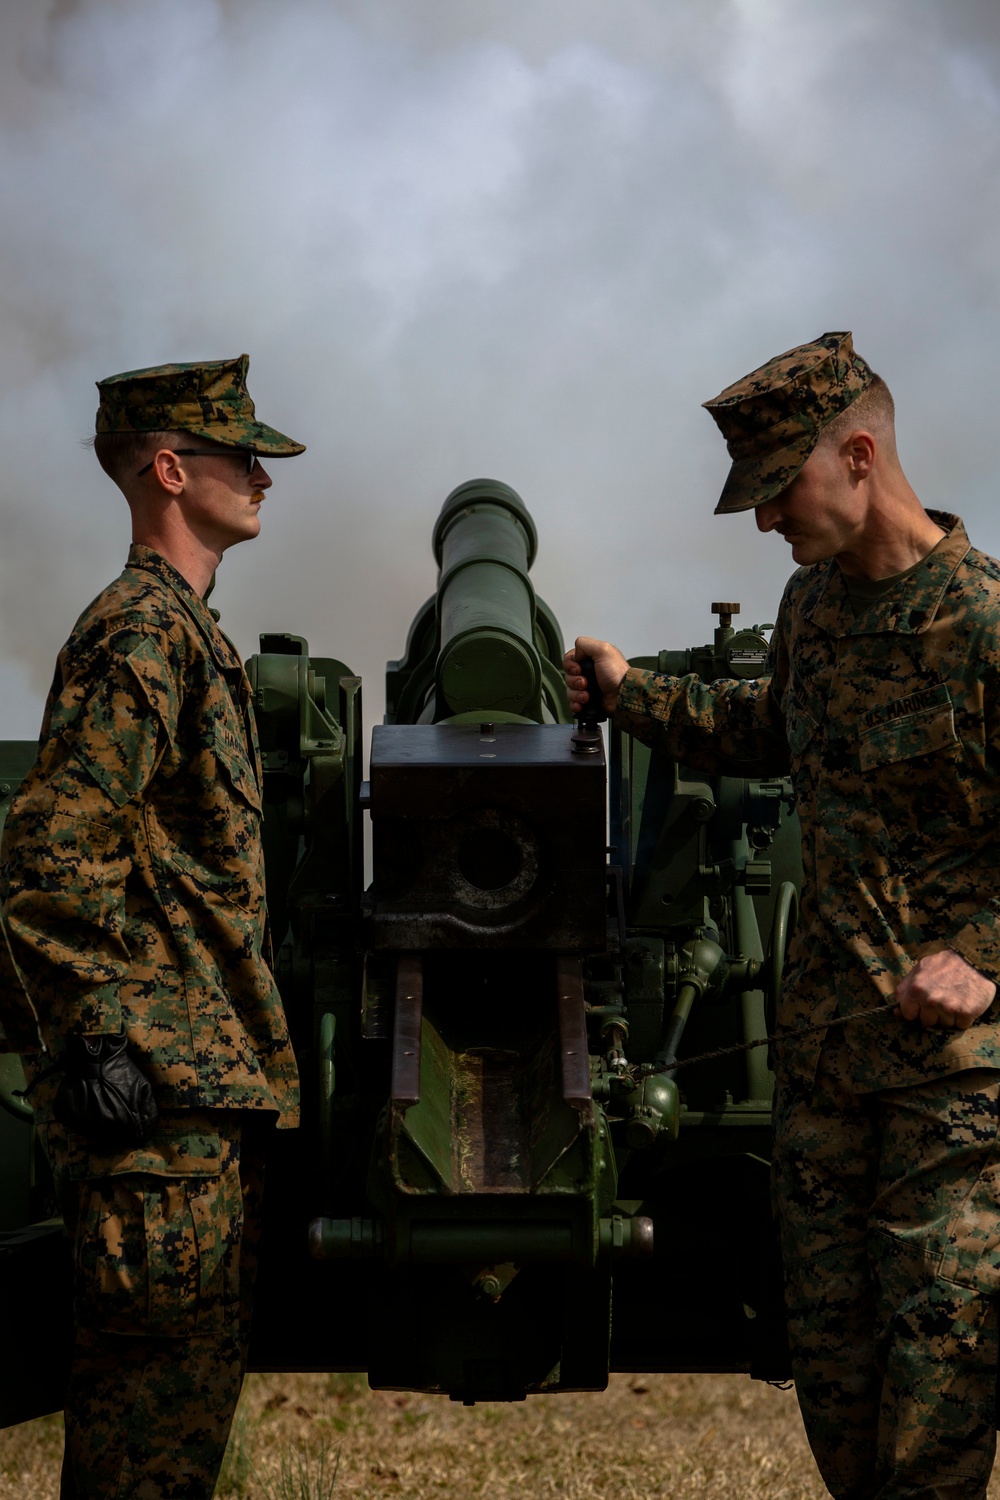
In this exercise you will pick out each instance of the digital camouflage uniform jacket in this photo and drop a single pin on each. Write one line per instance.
(890, 726)
(132, 874)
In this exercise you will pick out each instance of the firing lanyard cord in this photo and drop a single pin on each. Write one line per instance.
(646, 1070)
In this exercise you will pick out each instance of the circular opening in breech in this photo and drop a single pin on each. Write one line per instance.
(489, 858)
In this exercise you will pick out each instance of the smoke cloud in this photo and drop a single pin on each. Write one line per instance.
(505, 239)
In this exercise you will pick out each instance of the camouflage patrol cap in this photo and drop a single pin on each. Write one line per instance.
(209, 398)
(772, 418)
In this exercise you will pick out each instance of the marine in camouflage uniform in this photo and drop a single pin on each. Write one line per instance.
(133, 896)
(883, 701)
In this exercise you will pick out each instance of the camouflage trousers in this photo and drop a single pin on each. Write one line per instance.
(164, 1268)
(889, 1208)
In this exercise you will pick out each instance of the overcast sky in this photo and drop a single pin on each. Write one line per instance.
(516, 238)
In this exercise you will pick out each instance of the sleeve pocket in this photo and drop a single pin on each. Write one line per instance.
(120, 732)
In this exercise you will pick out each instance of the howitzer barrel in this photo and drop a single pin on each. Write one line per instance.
(484, 647)
(484, 543)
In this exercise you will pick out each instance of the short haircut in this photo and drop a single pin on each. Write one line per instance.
(122, 454)
(873, 411)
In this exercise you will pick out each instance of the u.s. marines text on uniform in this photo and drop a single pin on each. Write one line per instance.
(882, 697)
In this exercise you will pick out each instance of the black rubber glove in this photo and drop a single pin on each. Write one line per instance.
(104, 1095)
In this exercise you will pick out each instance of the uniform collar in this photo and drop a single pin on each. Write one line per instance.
(907, 609)
(144, 559)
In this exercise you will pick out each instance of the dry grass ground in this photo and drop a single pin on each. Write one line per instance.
(715, 1437)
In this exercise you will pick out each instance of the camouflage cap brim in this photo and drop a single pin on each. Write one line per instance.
(207, 398)
(751, 481)
(244, 434)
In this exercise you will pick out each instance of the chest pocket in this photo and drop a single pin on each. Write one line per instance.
(214, 839)
(237, 773)
(916, 777)
(921, 724)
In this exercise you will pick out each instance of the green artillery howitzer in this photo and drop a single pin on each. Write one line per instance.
(493, 1136)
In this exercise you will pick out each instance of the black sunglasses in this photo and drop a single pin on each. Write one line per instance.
(247, 456)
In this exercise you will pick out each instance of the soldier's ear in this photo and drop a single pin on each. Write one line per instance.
(168, 471)
(860, 449)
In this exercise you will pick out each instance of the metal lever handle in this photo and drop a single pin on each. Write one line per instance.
(593, 711)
